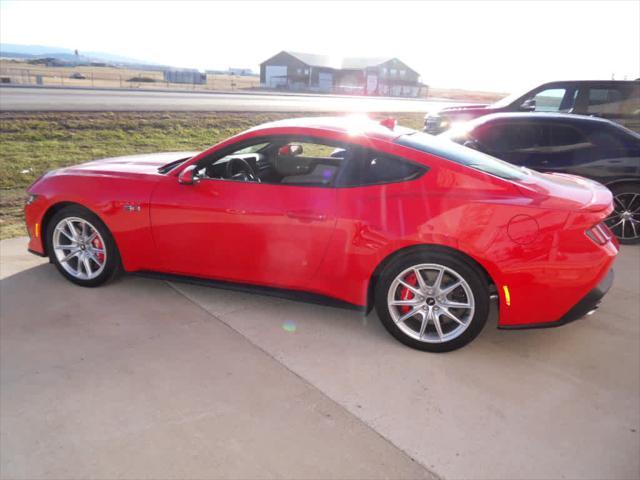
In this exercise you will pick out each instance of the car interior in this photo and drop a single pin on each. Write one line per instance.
(278, 162)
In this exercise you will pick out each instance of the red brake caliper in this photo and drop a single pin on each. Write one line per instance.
(405, 293)
(98, 244)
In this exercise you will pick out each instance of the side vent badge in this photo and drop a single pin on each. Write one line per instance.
(131, 208)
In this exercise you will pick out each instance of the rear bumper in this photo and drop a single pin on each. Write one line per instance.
(587, 304)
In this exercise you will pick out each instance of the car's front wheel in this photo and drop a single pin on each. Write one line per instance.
(624, 221)
(432, 301)
(81, 247)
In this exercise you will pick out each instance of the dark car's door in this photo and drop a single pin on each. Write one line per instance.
(614, 155)
(564, 148)
(594, 150)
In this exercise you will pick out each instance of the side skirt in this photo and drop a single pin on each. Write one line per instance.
(295, 295)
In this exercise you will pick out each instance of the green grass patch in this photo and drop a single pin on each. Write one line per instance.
(34, 143)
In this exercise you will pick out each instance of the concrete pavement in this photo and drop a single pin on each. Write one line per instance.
(144, 378)
(135, 381)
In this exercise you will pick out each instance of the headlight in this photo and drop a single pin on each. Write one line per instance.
(30, 199)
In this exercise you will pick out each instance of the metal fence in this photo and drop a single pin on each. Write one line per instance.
(109, 77)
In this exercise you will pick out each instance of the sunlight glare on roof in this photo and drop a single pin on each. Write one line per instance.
(357, 123)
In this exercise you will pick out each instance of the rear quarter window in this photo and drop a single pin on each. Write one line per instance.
(369, 167)
(453, 152)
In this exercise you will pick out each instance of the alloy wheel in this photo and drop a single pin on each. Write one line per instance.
(624, 222)
(431, 303)
(79, 248)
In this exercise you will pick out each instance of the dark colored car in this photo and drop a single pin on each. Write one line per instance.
(553, 142)
(618, 101)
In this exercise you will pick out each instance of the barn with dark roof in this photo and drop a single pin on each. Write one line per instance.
(296, 71)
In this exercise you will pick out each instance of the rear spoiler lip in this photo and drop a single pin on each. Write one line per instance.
(601, 197)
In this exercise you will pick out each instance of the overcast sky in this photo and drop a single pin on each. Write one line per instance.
(500, 46)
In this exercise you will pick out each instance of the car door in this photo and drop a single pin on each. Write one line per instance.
(614, 156)
(563, 148)
(270, 233)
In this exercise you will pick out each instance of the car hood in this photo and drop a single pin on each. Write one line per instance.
(567, 192)
(145, 164)
(462, 110)
(465, 108)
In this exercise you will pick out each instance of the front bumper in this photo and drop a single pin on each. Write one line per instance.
(587, 304)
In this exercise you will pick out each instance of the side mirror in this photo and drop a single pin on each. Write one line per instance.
(188, 176)
(471, 144)
(528, 105)
(291, 149)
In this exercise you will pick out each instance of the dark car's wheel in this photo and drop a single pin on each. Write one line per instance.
(432, 301)
(624, 222)
(81, 247)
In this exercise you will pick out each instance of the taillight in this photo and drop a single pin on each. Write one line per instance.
(599, 234)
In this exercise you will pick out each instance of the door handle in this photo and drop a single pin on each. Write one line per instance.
(306, 215)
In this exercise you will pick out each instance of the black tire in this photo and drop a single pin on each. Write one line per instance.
(624, 195)
(474, 277)
(112, 266)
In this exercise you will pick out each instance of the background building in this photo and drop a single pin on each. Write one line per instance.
(184, 75)
(361, 76)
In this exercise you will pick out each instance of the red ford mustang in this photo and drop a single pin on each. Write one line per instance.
(341, 209)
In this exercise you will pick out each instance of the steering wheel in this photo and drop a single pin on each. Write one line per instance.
(242, 170)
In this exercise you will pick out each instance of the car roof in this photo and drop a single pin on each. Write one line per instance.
(349, 124)
(581, 82)
(544, 116)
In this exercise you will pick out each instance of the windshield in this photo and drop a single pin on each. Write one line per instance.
(509, 99)
(465, 156)
(171, 165)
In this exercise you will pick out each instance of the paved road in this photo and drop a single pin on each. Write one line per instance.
(53, 99)
(144, 378)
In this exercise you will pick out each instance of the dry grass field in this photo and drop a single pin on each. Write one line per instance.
(111, 77)
(20, 72)
(33, 143)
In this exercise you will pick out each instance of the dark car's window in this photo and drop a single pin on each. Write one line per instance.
(465, 156)
(554, 100)
(565, 135)
(531, 136)
(370, 167)
(614, 136)
(622, 99)
(509, 137)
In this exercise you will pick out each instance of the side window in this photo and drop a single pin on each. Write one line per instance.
(307, 163)
(370, 167)
(549, 100)
(603, 101)
(511, 137)
(491, 138)
(566, 136)
(610, 137)
(278, 160)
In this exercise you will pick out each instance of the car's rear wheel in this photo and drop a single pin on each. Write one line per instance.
(432, 301)
(624, 221)
(81, 247)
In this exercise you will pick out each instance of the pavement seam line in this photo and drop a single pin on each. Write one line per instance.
(306, 382)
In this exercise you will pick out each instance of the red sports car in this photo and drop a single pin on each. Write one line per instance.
(342, 209)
